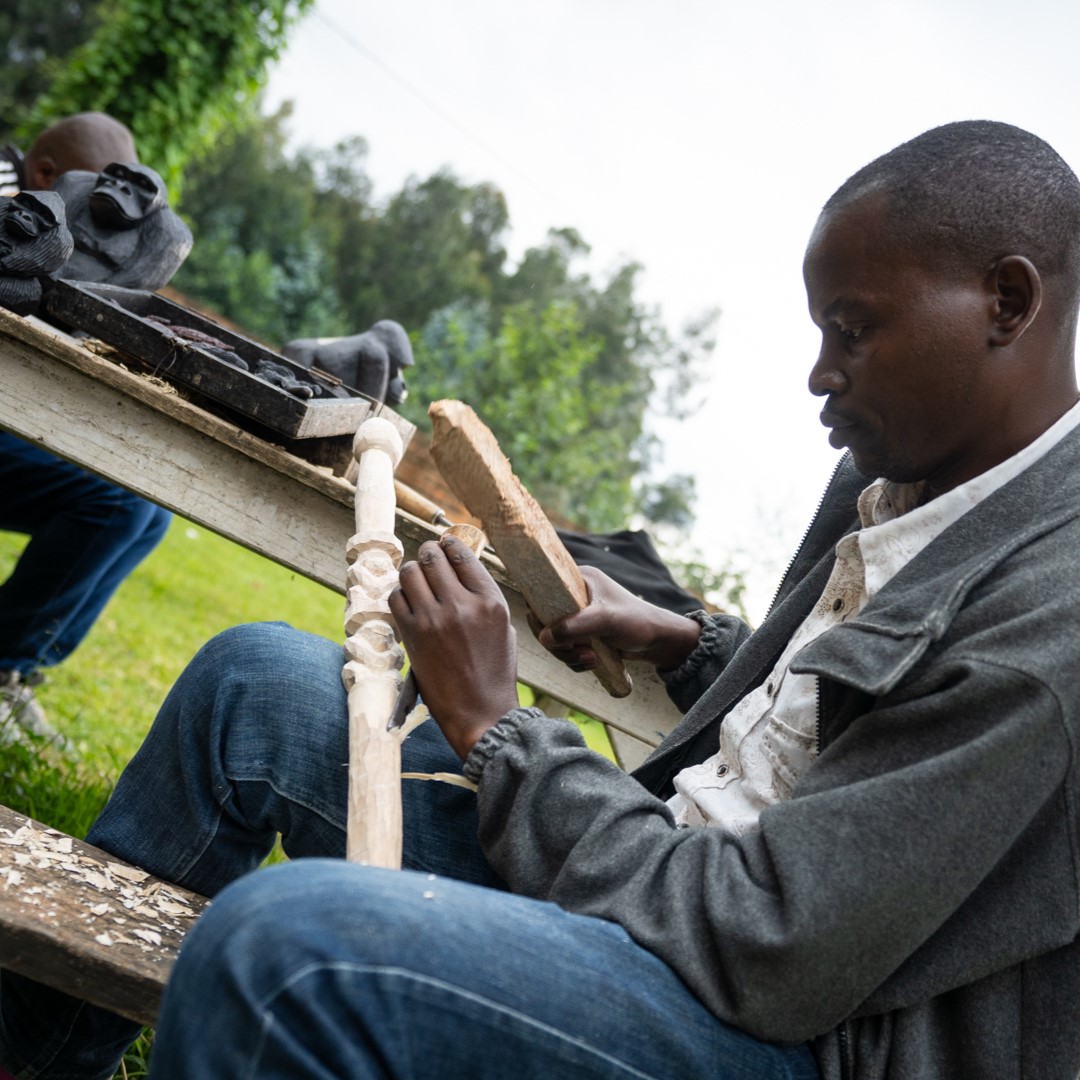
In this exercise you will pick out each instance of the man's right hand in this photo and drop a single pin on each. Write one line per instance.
(633, 627)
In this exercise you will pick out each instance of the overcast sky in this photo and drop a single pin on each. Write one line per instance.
(699, 138)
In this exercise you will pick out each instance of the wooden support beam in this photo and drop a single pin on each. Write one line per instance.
(471, 462)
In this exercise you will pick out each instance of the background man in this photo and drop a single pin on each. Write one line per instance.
(86, 534)
(855, 857)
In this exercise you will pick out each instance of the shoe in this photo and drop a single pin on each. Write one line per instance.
(21, 714)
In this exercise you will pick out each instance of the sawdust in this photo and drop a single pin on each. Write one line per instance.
(116, 904)
(121, 360)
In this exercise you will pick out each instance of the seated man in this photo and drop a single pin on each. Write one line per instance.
(856, 855)
(86, 534)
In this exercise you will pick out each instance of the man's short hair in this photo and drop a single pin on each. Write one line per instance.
(977, 190)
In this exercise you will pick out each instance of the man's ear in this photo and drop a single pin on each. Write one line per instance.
(1017, 297)
(42, 174)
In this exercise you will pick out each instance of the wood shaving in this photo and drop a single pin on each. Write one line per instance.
(66, 879)
(443, 778)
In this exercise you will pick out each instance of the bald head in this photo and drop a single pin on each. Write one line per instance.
(89, 140)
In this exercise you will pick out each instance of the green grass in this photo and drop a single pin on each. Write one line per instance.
(105, 695)
(193, 585)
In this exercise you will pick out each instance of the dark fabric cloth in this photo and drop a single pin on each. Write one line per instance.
(629, 558)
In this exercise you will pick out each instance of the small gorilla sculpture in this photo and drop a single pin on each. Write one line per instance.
(34, 242)
(371, 362)
(125, 234)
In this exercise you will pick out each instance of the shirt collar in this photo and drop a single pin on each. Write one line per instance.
(897, 524)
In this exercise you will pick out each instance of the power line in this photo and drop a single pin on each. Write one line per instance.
(443, 115)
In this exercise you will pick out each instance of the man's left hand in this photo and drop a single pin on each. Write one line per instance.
(455, 626)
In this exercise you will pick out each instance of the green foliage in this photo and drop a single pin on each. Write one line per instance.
(724, 589)
(437, 242)
(35, 36)
(28, 781)
(259, 257)
(536, 381)
(563, 368)
(175, 73)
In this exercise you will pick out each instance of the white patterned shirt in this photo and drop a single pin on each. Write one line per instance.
(769, 739)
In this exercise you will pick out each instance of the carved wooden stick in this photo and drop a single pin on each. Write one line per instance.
(372, 672)
(477, 471)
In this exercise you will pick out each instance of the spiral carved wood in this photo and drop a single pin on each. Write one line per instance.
(372, 672)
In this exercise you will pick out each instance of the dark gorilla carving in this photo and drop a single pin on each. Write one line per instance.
(125, 234)
(371, 362)
(34, 242)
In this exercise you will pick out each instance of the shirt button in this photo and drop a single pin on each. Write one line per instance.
(721, 770)
(769, 689)
(837, 604)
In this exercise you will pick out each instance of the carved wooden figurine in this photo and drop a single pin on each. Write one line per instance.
(125, 234)
(372, 672)
(34, 242)
(372, 362)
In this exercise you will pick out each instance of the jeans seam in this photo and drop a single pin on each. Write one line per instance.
(265, 1004)
(290, 797)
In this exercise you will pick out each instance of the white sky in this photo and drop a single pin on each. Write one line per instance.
(699, 138)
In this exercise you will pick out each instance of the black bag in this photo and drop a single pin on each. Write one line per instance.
(629, 558)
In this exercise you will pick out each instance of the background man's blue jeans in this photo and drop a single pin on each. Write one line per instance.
(360, 966)
(86, 534)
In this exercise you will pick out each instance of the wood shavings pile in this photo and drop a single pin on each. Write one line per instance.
(111, 902)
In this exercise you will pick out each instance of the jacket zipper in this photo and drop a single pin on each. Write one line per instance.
(806, 534)
(845, 1068)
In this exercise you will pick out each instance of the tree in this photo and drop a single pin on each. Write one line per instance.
(175, 73)
(565, 369)
(35, 37)
(259, 258)
(534, 381)
(437, 242)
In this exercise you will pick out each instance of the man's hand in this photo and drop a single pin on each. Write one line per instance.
(455, 626)
(636, 629)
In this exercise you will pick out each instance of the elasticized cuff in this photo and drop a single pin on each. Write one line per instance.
(495, 738)
(707, 646)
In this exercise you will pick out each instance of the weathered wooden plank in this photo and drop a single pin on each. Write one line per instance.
(124, 427)
(478, 472)
(630, 752)
(79, 920)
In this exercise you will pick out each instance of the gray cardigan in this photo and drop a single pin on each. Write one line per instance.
(914, 908)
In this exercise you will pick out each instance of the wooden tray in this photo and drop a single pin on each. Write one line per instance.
(119, 317)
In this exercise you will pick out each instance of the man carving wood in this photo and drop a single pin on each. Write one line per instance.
(854, 859)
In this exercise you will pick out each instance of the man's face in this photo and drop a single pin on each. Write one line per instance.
(903, 363)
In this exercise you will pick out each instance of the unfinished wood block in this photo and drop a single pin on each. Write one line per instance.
(478, 472)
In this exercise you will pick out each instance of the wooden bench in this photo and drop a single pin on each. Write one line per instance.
(129, 429)
(79, 920)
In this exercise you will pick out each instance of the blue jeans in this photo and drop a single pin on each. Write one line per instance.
(87, 535)
(358, 965)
